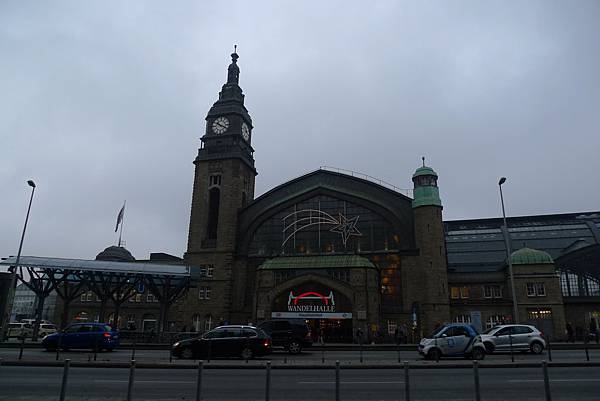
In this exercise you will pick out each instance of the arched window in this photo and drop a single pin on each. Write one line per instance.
(207, 322)
(196, 323)
(214, 195)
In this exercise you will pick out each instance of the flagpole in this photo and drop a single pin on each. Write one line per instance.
(122, 222)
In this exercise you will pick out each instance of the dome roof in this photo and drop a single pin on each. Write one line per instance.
(115, 254)
(424, 170)
(528, 256)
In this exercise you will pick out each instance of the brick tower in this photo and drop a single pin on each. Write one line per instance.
(429, 237)
(223, 183)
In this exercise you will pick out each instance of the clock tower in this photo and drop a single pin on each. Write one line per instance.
(223, 183)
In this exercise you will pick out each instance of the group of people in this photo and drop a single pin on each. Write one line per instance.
(592, 335)
(400, 336)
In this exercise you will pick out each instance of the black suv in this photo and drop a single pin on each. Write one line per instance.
(291, 334)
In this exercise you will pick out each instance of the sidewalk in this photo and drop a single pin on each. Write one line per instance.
(316, 346)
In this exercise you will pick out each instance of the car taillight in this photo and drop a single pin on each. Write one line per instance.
(106, 335)
(267, 343)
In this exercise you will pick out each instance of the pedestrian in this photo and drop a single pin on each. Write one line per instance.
(403, 334)
(397, 336)
(594, 330)
(570, 337)
(359, 335)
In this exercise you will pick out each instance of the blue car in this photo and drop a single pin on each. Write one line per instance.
(100, 336)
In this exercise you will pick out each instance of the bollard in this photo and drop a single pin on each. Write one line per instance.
(95, 348)
(58, 346)
(406, 382)
(170, 356)
(549, 350)
(399, 353)
(337, 380)
(209, 349)
(285, 359)
(63, 387)
(476, 377)
(199, 382)
(437, 354)
(546, 381)
(322, 354)
(22, 346)
(587, 352)
(361, 352)
(133, 350)
(512, 355)
(268, 385)
(131, 379)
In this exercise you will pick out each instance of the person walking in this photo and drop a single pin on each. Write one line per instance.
(594, 330)
(570, 337)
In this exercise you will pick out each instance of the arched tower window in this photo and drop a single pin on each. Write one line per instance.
(214, 198)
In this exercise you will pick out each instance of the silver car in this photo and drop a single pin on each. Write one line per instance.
(522, 337)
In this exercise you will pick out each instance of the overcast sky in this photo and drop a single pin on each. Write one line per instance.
(105, 101)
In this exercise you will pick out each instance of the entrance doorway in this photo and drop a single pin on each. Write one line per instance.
(331, 330)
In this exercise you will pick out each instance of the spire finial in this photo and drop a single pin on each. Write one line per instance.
(234, 55)
(423, 158)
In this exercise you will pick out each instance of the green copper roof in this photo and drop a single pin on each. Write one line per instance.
(426, 196)
(528, 256)
(424, 170)
(316, 262)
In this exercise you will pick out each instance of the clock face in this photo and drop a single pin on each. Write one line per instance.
(220, 125)
(245, 132)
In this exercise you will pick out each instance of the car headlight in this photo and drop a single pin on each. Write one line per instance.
(176, 345)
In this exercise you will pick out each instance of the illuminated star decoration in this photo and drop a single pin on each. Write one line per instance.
(346, 227)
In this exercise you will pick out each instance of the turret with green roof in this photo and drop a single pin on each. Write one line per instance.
(426, 191)
(529, 256)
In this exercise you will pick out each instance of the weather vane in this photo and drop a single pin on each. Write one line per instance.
(423, 158)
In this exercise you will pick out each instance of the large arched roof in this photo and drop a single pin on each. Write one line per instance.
(391, 205)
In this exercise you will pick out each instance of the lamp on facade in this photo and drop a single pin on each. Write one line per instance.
(508, 255)
(13, 283)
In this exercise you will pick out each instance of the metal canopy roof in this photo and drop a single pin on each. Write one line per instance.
(100, 266)
(317, 262)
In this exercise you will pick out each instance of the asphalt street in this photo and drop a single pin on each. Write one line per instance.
(34, 383)
(280, 357)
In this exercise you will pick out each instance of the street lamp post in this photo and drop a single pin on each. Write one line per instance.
(508, 254)
(13, 283)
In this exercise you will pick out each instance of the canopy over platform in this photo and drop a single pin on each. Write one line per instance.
(102, 266)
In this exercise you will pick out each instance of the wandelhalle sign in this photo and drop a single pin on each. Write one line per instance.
(312, 301)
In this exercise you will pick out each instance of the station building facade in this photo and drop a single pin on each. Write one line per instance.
(346, 253)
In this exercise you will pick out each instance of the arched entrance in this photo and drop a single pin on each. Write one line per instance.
(327, 310)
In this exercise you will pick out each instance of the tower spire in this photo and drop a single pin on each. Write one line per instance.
(233, 72)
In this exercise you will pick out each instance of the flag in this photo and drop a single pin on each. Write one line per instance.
(120, 217)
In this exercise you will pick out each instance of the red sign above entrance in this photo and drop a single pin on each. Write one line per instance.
(312, 301)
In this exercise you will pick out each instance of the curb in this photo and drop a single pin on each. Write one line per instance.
(315, 347)
(141, 365)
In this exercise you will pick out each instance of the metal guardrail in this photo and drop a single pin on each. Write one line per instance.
(269, 380)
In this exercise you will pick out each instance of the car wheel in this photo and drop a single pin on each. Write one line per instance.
(187, 353)
(478, 354)
(247, 353)
(294, 347)
(489, 348)
(536, 347)
(434, 354)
